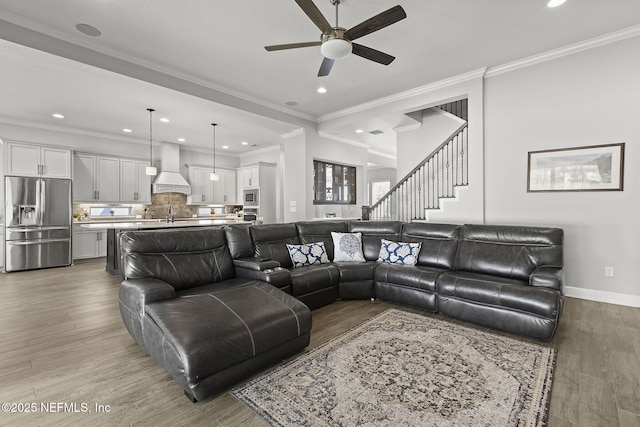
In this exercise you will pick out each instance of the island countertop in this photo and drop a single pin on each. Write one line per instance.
(154, 224)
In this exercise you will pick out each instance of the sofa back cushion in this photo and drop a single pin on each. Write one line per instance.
(271, 241)
(320, 231)
(509, 251)
(439, 242)
(372, 234)
(182, 258)
(239, 241)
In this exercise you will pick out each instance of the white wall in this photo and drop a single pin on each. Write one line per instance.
(588, 98)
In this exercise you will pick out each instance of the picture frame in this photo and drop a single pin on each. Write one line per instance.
(587, 168)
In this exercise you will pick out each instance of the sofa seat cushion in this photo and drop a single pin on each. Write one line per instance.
(196, 336)
(356, 271)
(313, 278)
(500, 292)
(413, 276)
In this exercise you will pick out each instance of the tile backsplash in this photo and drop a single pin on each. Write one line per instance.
(159, 207)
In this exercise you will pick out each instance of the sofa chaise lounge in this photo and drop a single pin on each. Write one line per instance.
(504, 277)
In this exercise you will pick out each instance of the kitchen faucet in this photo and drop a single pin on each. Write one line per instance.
(171, 214)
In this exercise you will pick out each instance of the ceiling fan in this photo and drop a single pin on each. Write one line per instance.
(337, 42)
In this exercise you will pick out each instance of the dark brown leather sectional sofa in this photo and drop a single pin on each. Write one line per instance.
(212, 306)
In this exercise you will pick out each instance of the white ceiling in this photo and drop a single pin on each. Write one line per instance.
(215, 51)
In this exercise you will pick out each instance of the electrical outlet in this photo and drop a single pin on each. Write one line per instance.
(608, 271)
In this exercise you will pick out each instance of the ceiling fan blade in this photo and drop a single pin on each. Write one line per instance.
(291, 46)
(315, 15)
(372, 54)
(378, 22)
(325, 67)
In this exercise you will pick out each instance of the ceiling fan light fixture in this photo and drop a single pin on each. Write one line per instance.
(336, 48)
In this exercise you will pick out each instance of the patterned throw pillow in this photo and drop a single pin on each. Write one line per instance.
(399, 252)
(347, 247)
(309, 254)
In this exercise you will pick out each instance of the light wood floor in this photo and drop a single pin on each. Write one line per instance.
(62, 341)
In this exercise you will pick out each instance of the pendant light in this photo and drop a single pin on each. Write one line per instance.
(213, 176)
(150, 170)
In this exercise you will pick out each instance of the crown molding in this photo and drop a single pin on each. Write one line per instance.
(293, 133)
(565, 51)
(72, 130)
(461, 78)
(343, 140)
(268, 149)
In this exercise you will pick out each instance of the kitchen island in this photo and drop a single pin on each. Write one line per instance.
(114, 227)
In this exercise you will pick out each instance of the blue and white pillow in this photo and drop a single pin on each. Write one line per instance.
(399, 252)
(347, 247)
(308, 254)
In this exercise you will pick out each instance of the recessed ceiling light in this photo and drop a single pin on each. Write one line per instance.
(89, 30)
(127, 130)
(291, 103)
(555, 3)
(58, 116)
(164, 120)
(359, 131)
(181, 140)
(226, 147)
(244, 143)
(322, 89)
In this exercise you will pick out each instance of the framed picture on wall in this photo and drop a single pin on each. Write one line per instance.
(592, 168)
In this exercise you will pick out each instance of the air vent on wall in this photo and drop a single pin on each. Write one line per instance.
(376, 132)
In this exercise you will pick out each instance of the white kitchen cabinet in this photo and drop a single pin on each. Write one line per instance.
(261, 177)
(135, 184)
(207, 192)
(37, 160)
(96, 178)
(251, 176)
(89, 243)
(224, 190)
(1, 246)
(201, 186)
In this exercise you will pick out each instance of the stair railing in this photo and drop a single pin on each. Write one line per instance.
(430, 181)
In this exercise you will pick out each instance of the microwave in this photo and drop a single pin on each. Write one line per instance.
(250, 197)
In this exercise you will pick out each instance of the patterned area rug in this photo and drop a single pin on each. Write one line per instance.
(404, 369)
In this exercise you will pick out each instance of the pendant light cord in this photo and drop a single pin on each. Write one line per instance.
(150, 110)
(214, 146)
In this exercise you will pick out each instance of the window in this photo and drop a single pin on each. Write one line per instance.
(333, 184)
(109, 211)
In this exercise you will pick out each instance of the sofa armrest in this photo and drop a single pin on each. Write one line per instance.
(275, 276)
(255, 263)
(134, 295)
(547, 277)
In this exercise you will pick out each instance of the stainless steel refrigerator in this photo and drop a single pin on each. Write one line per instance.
(38, 222)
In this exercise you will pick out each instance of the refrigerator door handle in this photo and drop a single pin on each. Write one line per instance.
(34, 242)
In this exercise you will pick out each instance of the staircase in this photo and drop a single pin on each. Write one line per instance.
(432, 180)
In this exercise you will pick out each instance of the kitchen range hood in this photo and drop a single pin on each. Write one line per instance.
(169, 180)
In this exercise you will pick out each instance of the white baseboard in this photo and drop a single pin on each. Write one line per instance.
(603, 296)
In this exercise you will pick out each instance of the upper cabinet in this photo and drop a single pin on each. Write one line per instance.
(96, 178)
(251, 176)
(135, 184)
(37, 160)
(207, 192)
(107, 179)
